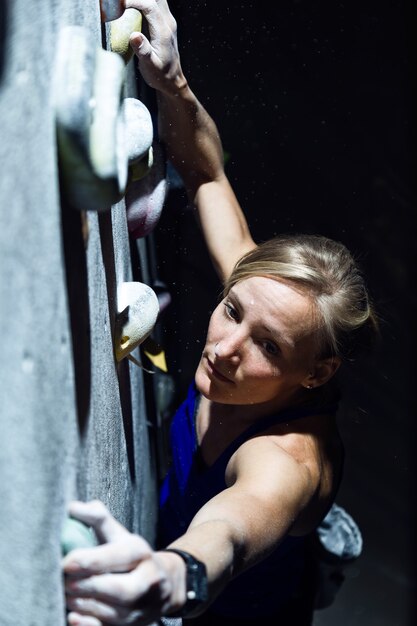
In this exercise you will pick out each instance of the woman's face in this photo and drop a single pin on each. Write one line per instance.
(260, 344)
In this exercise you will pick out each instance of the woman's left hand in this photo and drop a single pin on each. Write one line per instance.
(122, 581)
(158, 58)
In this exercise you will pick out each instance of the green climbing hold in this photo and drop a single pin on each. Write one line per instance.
(75, 534)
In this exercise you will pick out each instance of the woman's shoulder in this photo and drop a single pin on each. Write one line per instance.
(312, 437)
(311, 447)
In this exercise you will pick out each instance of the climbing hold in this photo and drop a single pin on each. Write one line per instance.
(90, 125)
(156, 354)
(142, 167)
(108, 129)
(120, 31)
(111, 9)
(75, 534)
(139, 130)
(132, 359)
(138, 309)
(145, 197)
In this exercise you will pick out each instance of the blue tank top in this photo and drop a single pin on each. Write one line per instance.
(267, 586)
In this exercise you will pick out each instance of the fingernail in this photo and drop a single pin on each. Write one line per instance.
(73, 586)
(136, 39)
(72, 567)
(76, 603)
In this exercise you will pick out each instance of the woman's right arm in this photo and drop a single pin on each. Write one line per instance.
(123, 581)
(191, 137)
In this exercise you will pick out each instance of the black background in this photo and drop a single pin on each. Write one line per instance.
(315, 106)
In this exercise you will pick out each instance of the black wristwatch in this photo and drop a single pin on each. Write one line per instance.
(197, 587)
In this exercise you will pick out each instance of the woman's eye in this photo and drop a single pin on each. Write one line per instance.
(270, 347)
(231, 312)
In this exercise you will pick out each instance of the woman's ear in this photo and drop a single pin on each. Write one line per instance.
(323, 371)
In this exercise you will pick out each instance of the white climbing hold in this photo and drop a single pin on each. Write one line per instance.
(139, 129)
(138, 309)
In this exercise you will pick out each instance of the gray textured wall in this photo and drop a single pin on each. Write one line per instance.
(73, 423)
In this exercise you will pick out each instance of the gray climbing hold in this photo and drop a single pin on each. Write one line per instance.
(339, 534)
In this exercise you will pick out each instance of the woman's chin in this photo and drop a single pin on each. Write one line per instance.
(202, 382)
(208, 388)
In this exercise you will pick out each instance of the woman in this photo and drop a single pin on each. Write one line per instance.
(257, 458)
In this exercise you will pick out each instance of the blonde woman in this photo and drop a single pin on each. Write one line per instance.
(257, 458)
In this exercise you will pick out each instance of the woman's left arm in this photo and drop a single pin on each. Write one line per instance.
(125, 582)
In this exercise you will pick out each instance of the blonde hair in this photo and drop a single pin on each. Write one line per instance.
(325, 270)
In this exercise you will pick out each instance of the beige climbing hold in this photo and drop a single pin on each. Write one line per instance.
(138, 309)
(139, 169)
(155, 353)
(120, 31)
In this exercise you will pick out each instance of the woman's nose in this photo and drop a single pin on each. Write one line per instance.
(229, 348)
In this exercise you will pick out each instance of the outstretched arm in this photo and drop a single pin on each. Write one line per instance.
(124, 582)
(191, 138)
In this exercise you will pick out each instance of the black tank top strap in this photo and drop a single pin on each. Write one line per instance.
(283, 417)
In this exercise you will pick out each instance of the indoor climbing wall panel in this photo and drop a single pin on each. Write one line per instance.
(74, 422)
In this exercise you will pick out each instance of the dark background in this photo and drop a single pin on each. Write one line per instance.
(314, 102)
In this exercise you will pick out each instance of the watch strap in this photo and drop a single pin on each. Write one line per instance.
(197, 586)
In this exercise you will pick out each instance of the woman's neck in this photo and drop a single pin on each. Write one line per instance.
(246, 414)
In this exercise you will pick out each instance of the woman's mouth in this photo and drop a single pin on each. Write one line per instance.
(214, 372)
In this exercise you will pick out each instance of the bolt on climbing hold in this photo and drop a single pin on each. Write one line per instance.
(139, 134)
(120, 31)
(137, 313)
(142, 167)
(145, 196)
(90, 124)
(75, 534)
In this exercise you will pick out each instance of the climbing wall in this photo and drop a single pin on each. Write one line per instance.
(73, 421)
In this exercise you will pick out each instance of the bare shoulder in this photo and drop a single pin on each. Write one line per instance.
(304, 458)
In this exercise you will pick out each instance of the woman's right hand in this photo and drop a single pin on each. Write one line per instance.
(158, 56)
(122, 581)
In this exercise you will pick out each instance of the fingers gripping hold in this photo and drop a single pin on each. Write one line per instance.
(121, 556)
(157, 14)
(96, 514)
(158, 57)
(122, 581)
(110, 614)
(121, 550)
(146, 582)
(137, 597)
(75, 619)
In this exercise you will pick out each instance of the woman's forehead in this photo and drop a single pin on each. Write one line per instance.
(265, 286)
(276, 303)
